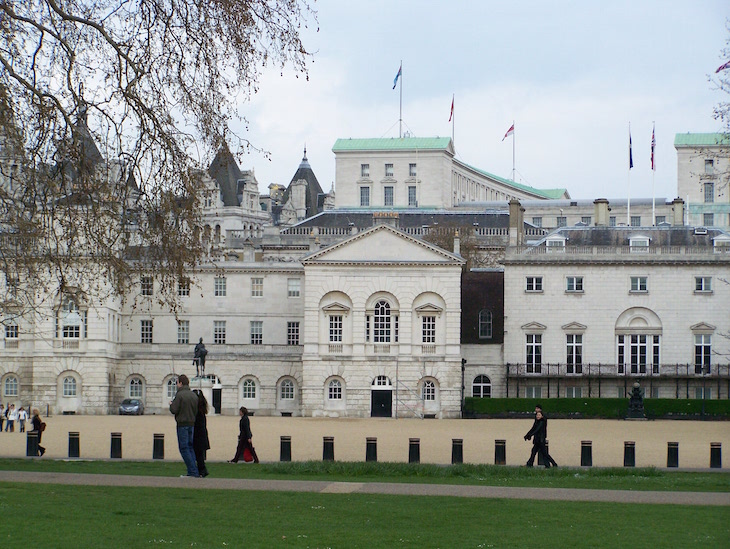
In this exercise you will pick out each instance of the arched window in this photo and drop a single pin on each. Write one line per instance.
(381, 381)
(11, 386)
(287, 390)
(69, 386)
(428, 391)
(171, 388)
(485, 324)
(135, 388)
(249, 388)
(335, 390)
(482, 387)
(381, 326)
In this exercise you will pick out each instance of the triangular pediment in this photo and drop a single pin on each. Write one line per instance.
(703, 327)
(429, 309)
(336, 308)
(383, 244)
(534, 327)
(574, 327)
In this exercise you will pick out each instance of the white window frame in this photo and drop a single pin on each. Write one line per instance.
(533, 353)
(286, 390)
(364, 170)
(388, 170)
(292, 333)
(257, 286)
(334, 390)
(428, 329)
(10, 386)
(219, 332)
(533, 284)
(257, 332)
(481, 387)
(248, 389)
(146, 331)
(639, 284)
(388, 195)
(183, 332)
(364, 196)
(335, 328)
(412, 196)
(412, 170)
(574, 353)
(703, 284)
(70, 386)
(220, 286)
(486, 320)
(428, 391)
(136, 388)
(293, 287)
(147, 285)
(574, 284)
(703, 353)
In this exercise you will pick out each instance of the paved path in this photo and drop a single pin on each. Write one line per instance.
(323, 487)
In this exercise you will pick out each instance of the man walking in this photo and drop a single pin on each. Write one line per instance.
(185, 407)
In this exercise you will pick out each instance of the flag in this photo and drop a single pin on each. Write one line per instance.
(452, 109)
(723, 67)
(631, 156)
(397, 76)
(509, 132)
(653, 145)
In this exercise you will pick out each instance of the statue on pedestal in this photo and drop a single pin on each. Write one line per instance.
(199, 358)
(636, 403)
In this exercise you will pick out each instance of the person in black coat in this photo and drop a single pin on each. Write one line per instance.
(38, 427)
(201, 443)
(538, 434)
(244, 437)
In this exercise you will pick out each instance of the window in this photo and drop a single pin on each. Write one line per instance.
(612, 221)
(703, 284)
(555, 245)
(145, 331)
(220, 286)
(171, 388)
(485, 324)
(636, 221)
(573, 392)
(428, 331)
(660, 219)
(219, 332)
(709, 192)
(257, 332)
(534, 284)
(364, 196)
(639, 245)
(703, 351)
(586, 219)
(389, 170)
(293, 287)
(11, 331)
(482, 387)
(534, 353)
(257, 287)
(381, 324)
(388, 196)
(574, 354)
(292, 333)
(286, 391)
(561, 221)
(708, 219)
(703, 392)
(537, 221)
(11, 386)
(183, 288)
(335, 328)
(574, 284)
(135, 388)
(183, 332)
(69, 386)
(249, 388)
(638, 351)
(364, 170)
(639, 284)
(533, 391)
(709, 166)
(412, 201)
(412, 170)
(334, 390)
(428, 391)
(147, 285)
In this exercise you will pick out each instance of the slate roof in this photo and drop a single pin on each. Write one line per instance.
(225, 171)
(619, 236)
(304, 171)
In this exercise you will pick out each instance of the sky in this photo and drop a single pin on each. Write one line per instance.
(574, 76)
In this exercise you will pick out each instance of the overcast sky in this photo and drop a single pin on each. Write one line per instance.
(571, 74)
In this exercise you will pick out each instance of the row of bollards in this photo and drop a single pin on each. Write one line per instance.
(371, 450)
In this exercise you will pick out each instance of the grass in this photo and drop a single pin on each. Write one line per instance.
(486, 475)
(59, 516)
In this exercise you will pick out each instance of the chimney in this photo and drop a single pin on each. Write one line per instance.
(457, 243)
(516, 223)
(678, 209)
(600, 212)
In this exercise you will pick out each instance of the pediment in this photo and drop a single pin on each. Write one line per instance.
(336, 308)
(429, 309)
(703, 327)
(534, 327)
(574, 327)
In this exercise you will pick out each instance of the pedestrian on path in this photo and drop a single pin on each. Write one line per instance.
(537, 434)
(185, 408)
(38, 427)
(550, 459)
(245, 437)
(22, 418)
(12, 416)
(201, 443)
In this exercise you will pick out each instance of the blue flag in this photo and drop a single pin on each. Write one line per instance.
(397, 76)
(631, 156)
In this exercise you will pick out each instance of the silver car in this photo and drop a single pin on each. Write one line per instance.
(131, 407)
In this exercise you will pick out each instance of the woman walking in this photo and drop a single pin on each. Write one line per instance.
(201, 443)
(244, 437)
(38, 426)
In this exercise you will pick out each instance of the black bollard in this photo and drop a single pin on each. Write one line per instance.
(629, 453)
(672, 454)
(586, 453)
(457, 450)
(414, 450)
(116, 450)
(73, 445)
(158, 446)
(371, 449)
(500, 452)
(31, 448)
(716, 455)
(540, 460)
(328, 449)
(285, 449)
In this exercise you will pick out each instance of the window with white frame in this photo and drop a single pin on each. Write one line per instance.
(639, 284)
(561, 221)
(612, 221)
(147, 283)
(703, 393)
(637, 353)
(335, 331)
(219, 332)
(586, 219)
(709, 192)
(248, 388)
(292, 333)
(533, 353)
(428, 391)
(703, 352)
(293, 287)
(257, 332)
(364, 196)
(412, 170)
(481, 387)
(364, 170)
(69, 386)
(71, 319)
(183, 332)
(11, 331)
(220, 286)
(183, 287)
(389, 170)
(709, 166)
(135, 388)
(703, 284)
(574, 353)
(574, 284)
(639, 245)
(334, 390)
(382, 322)
(485, 324)
(660, 219)
(537, 221)
(145, 331)
(286, 390)
(573, 392)
(388, 196)
(636, 221)
(428, 329)
(257, 287)
(412, 199)
(10, 387)
(171, 388)
(534, 284)
(708, 219)
(533, 391)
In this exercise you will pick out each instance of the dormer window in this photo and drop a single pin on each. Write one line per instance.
(639, 244)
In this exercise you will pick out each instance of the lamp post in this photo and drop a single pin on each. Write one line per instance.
(463, 369)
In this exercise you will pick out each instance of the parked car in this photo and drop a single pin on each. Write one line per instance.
(131, 407)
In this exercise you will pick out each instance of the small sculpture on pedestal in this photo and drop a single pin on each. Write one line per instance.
(199, 358)
(636, 403)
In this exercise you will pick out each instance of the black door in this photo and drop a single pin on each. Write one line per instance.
(381, 404)
(217, 400)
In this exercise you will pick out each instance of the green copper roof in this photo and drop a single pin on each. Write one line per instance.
(547, 193)
(392, 144)
(694, 139)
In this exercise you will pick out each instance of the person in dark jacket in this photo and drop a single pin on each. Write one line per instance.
(244, 437)
(550, 459)
(538, 435)
(38, 427)
(201, 443)
(185, 408)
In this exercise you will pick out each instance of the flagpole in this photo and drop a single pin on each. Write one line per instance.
(400, 111)
(453, 121)
(628, 192)
(513, 150)
(653, 174)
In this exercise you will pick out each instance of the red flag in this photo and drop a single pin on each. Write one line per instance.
(653, 145)
(723, 67)
(509, 132)
(452, 109)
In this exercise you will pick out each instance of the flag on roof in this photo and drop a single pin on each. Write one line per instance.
(397, 76)
(509, 132)
(653, 145)
(452, 108)
(723, 67)
(631, 155)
